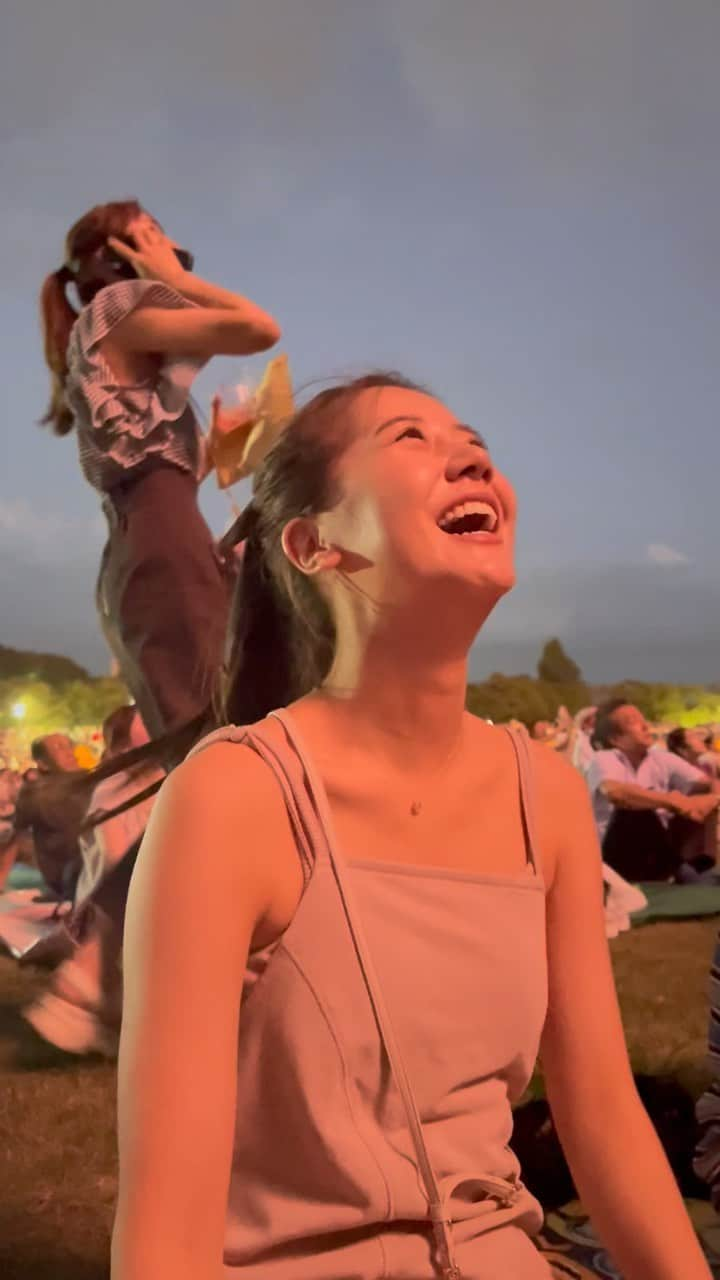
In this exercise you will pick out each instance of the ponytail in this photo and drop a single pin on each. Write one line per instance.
(84, 240)
(280, 630)
(258, 672)
(57, 318)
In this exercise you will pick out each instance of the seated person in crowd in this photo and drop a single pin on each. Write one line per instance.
(8, 798)
(692, 745)
(53, 813)
(541, 731)
(655, 812)
(552, 735)
(107, 843)
(81, 1009)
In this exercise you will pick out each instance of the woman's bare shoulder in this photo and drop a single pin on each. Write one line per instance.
(225, 771)
(217, 813)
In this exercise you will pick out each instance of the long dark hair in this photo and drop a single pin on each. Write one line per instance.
(57, 315)
(281, 635)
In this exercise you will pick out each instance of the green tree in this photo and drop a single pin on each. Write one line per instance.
(574, 696)
(556, 667)
(37, 707)
(684, 705)
(88, 702)
(50, 667)
(503, 698)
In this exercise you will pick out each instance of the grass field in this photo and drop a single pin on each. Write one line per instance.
(57, 1145)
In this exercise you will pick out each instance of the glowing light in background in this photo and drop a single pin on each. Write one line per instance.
(17, 711)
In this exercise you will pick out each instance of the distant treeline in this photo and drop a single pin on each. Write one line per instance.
(46, 691)
(50, 667)
(559, 682)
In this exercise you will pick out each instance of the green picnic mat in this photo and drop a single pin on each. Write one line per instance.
(24, 877)
(678, 902)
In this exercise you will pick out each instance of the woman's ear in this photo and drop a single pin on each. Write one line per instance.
(306, 548)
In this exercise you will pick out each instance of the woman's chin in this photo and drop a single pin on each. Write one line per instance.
(475, 593)
(494, 578)
(503, 579)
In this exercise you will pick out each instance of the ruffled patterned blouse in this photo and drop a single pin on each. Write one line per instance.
(119, 427)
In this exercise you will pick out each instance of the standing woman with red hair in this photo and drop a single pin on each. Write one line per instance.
(122, 369)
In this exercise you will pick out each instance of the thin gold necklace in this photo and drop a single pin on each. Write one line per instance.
(416, 806)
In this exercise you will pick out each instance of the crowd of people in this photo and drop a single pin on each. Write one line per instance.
(337, 937)
(655, 790)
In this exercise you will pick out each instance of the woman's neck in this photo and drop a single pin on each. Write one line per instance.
(402, 700)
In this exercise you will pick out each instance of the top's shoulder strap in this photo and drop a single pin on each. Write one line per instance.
(526, 777)
(228, 733)
(273, 750)
(377, 1000)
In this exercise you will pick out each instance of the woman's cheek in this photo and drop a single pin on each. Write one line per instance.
(360, 528)
(507, 496)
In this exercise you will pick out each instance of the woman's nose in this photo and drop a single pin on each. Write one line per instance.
(472, 462)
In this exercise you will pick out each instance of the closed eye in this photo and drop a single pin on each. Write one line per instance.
(474, 437)
(410, 431)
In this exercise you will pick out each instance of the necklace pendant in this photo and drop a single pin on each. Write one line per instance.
(415, 808)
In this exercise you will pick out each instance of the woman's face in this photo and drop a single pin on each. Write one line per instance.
(422, 506)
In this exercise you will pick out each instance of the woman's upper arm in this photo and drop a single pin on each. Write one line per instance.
(198, 891)
(583, 1051)
(197, 331)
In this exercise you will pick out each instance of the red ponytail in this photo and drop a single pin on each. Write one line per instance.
(87, 235)
(57, 318)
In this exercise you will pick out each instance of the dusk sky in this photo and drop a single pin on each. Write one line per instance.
(514, 201)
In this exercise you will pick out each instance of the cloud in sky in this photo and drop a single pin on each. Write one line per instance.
(560, 73)
(516, 202)
(618, 621)
(31, 534)
(278, 55)
(659, 553)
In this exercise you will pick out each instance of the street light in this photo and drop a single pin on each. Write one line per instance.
(18, 710)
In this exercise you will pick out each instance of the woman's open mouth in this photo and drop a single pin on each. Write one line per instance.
(470, 519)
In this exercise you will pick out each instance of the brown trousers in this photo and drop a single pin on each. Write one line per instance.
(163, 597)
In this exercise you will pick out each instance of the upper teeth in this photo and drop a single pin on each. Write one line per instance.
(470, 509)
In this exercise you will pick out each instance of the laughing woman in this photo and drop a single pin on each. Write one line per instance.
(122, 370)
(400, 907)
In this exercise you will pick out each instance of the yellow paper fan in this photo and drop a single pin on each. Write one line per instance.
(240, 452)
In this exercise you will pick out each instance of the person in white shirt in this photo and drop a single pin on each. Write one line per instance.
(655, 812)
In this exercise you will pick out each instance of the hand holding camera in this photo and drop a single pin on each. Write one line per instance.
(154, 257)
